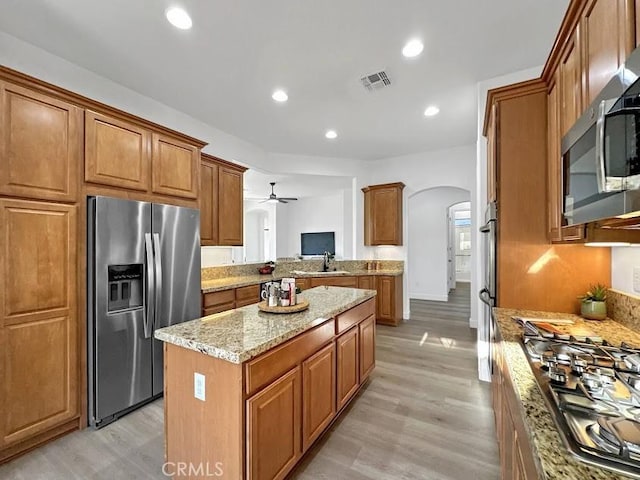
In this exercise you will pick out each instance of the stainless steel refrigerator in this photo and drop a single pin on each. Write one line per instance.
(143, 273)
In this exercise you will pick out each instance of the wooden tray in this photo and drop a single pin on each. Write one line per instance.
(298, 307)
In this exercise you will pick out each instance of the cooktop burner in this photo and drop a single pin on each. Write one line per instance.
(593, 391)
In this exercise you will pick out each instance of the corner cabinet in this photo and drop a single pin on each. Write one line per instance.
(221, 202)
(383, 214)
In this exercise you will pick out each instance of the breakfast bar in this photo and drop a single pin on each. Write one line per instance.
(248, 392)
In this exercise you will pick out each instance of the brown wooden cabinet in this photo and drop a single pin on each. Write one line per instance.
(175, 167)
(389, 299)
(318, 394)
(126, 154)
(554, 162)
(492, 155)
(40, 145)
(247, 295)
(367, 336)
(117, 153)
(303, 283)
(367, 282)
(383, 214)
(570, 83)
(348, 366)
(221, 202)
(39, 324)
(607, 37)
(274, 432)
(216, 302)
(338, 281)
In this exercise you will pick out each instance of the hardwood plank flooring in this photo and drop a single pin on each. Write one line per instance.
(423, 416)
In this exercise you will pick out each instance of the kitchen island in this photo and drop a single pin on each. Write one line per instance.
(248, 392)
(530, 442)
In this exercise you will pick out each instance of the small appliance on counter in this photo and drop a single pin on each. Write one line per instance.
(267, 269)
(593, 391)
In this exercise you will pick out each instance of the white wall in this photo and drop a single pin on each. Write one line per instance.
(428, 238)
(623, 261)
(454, 167)
(313, 214)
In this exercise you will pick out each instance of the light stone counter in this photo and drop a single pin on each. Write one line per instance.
(241, 334)
(553, 459)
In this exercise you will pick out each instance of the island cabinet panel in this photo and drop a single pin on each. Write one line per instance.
(176, 167)
(348, 366)
(274, 442)
(38, 322)
(354, 316)
(40, 145)
(367, 334)
(318, 394)
(117, 153)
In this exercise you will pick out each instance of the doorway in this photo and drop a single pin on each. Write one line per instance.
(459, 244)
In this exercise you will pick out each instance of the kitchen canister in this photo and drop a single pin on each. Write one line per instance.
(289, 285)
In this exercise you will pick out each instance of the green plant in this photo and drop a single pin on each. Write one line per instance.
(596, 293)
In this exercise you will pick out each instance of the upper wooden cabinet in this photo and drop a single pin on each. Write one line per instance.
(128, 155)
(221, 202)
(554, 162)
(176, 166)
(492, 155)
(608, 35)
(570, 84)
(117, 153)
(40, 145)
(383, 214)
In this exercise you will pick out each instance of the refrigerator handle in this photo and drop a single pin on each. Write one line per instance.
(151, 286)
(158, 269)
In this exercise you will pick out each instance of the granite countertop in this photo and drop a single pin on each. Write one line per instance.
(225, 283)
(553, 458)
(241, 334)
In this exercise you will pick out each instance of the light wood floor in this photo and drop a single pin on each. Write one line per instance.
(423, 416)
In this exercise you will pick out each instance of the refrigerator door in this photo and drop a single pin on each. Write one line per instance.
(176, 235)
(119, 311)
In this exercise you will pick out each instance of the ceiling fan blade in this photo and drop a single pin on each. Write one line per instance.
(287, 198)
(282, 201)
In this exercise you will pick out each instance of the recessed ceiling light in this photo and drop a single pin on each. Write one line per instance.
(431, 111)
(413, 48)
(280, 96)
(331, 134)
(179, 18)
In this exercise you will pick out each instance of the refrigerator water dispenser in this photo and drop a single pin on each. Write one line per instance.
(125, 287)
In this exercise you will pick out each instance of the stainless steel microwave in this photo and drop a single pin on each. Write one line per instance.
(601, 153)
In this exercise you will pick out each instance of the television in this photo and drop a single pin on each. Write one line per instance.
(317, 243)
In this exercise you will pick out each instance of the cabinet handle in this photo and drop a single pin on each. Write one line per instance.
(151, 286)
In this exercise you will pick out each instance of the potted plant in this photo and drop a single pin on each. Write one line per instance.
(593, 303)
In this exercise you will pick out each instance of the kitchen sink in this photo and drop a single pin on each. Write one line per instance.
(302, 272)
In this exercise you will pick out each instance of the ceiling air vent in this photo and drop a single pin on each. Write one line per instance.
(376, 81)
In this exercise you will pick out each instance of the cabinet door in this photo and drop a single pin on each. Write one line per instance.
(554, 165)
(117, 153)
(492, 155)
(208, 203)
(350, 282)
(247, 295)
(230, 212)
(367, 282)
(383, 215)
(38, 329)
(303, 283)
(175, 167)
(570, 83)
(608, 38)
(385, 300)
(348, 365)
(318, 394)
(40, 145)
(367, 335)
(274, 428)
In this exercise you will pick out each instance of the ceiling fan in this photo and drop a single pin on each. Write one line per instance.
(275, 199)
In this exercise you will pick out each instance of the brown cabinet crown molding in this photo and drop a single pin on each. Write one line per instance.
(510, 91)
(46, 88)
(221, 161)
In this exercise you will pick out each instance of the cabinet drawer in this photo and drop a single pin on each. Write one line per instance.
(266, 368)
(247, 295)
(349, 318)
(221, 307)
(218, 298)
(335, 281)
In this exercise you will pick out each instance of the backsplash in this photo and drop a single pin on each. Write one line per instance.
(624, 308)
(285, 268)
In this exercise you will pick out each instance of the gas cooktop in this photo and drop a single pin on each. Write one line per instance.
(593, 391)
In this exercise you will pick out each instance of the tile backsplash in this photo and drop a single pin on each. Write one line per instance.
(624, 308)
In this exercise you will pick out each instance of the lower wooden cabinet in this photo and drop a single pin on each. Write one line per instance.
(39, 359)
(216, 302)
(247, 295)
(337, 281)
(367, 337)
(347, 354)
(367, 282)
(274, 430)
(318, 394)
(389, 299)
(303, 283)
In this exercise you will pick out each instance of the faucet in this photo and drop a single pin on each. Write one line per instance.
(325, 262)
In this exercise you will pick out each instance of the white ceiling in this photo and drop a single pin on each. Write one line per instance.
(224, 70)
(256, 185)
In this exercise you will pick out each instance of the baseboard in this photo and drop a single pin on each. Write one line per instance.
(463, 281)
(428, 296)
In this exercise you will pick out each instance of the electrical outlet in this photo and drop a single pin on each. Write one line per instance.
(198, 386)
(636, 279)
